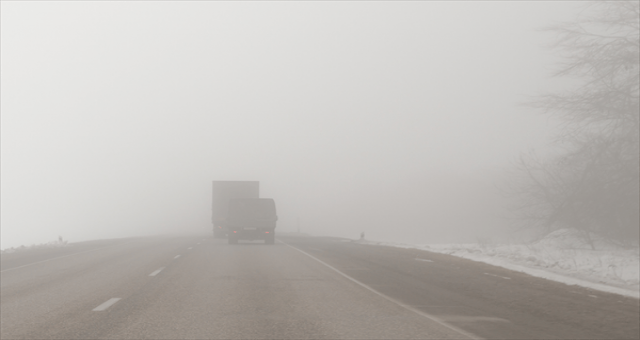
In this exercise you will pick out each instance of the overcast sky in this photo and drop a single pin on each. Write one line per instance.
(394, 118)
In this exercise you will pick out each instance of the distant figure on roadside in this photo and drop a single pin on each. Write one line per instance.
(362, 236)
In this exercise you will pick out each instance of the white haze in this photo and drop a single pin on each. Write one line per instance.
(392, 118)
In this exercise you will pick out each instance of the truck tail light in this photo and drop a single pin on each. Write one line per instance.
(266, 232)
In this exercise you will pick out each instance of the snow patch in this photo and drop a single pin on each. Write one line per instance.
(563, 256)
(53, 244)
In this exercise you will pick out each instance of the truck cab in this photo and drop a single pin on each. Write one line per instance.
(251, 219)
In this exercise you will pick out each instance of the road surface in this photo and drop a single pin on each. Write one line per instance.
(198, 287)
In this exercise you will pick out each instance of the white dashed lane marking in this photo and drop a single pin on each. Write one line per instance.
(189, 248)
(176, 256)
(156, 272)
(106, 305)
(424, 260)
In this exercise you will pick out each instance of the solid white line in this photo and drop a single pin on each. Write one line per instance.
(106, 305)
(458, 318)
(425, 260)
(176, 256)
(408, 307)
(504, 277)
(156, 272)
(59, 257)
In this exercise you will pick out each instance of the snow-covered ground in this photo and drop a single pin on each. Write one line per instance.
(560, 256)
(53, 244)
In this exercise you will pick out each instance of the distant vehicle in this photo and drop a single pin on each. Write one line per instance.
(223, 192)
(252, 219)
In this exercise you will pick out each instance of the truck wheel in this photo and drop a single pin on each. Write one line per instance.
(233, 240)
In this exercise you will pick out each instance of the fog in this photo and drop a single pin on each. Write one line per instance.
(396, 119)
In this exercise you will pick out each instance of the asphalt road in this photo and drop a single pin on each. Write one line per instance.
(301, 287)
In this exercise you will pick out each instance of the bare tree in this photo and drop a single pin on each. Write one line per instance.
(592, 184)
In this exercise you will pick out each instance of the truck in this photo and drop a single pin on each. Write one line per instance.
(252, 219)
(223, 192)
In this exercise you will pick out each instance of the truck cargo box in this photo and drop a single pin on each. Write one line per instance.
(223, 191)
